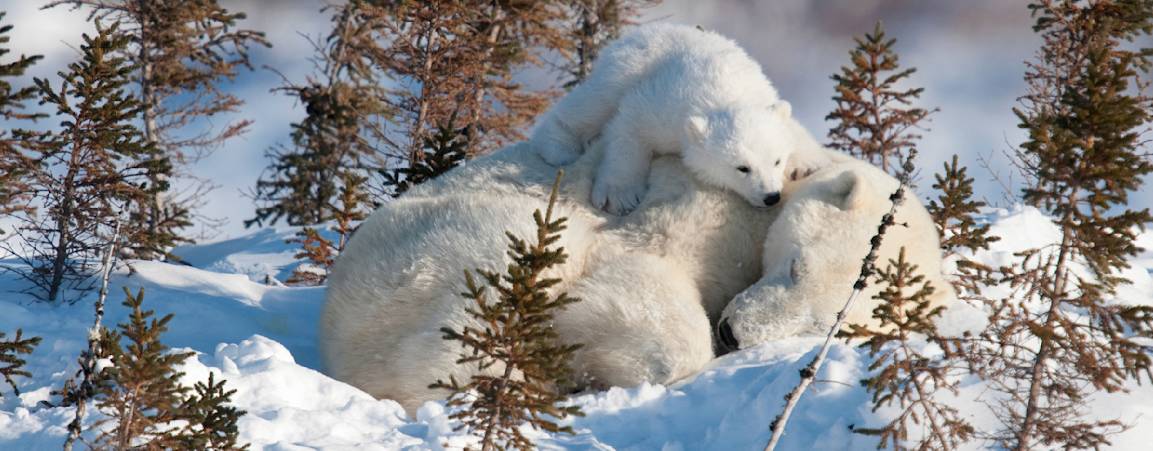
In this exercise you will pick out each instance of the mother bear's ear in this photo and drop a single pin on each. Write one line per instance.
(850, 191)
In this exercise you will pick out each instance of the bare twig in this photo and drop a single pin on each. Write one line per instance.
(88, 362)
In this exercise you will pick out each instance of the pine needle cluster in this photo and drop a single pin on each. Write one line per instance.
(139, 391)
(902, 372)
(873, 118)
(11, 364)
(1060, 337)
(444, 150)
(15, 193)
(955, 214)
(523, 365)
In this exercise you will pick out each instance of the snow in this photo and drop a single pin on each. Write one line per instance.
(262, 340)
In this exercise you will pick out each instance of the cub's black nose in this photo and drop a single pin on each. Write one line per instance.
(772, 199)
(725, 333)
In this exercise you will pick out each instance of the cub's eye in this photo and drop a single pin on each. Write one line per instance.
(743, 169)
(778, 163)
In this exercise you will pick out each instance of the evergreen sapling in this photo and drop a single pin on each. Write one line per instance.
(11, 364)
(873, 121)
(955, 214)
(1059, 337)
(145, 405)
(182, 52)
(901, 370)
(95, 159)
(523, 365)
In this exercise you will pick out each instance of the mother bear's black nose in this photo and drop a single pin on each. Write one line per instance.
(725, 333)
(772, 199)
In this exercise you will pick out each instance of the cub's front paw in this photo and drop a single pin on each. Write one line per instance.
(617, 198)
(803, 164)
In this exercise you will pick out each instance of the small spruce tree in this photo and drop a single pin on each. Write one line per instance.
(873, 119)
(318, 252)
(514, 336)
(954, 212)
(96, 159)
(182, 53)
(11, 364)
(901, 370)
(1060, 337)
(211, 421)
(141, 395)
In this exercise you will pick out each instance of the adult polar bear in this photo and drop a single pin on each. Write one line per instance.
(815, 250)
(677, 90)
(649, 283)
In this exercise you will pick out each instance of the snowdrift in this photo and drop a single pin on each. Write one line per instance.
(262, 340)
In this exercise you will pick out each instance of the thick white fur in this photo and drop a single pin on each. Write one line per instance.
(649, 282)
(676, 90)
(814, 251)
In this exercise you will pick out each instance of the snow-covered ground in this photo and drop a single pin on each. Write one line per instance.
(262, 339)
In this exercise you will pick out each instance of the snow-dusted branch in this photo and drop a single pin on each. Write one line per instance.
(88, 361)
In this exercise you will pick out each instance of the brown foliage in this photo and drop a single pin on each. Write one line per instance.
(901, 371)
(182, 51)
(522, 365)
(1059, 337)
(872, 120)
(15, 195)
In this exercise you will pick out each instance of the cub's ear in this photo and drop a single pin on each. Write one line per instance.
(850, 191)
(782, 109)
(697, 127)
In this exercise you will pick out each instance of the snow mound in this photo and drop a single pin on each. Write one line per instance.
(262, 340)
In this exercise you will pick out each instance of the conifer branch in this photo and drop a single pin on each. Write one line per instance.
(11, 365)
(513, 336)
(872, 122)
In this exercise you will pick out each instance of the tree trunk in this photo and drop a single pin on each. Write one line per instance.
(1029, 422)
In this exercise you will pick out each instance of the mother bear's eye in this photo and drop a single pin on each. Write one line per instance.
(743, 169)
(778, 163)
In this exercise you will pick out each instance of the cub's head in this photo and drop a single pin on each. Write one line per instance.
(743, 149)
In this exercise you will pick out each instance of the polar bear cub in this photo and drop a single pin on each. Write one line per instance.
(675, 89)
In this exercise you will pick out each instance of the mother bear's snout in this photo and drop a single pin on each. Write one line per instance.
(772, 199)
(725, 333)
